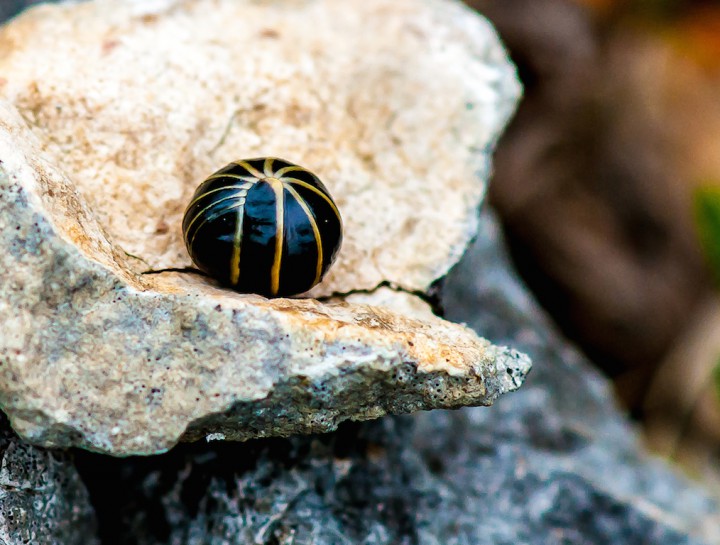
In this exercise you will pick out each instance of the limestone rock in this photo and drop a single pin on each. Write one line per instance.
(42, 499)
(554, 463)
(114, 112)
(137, 102)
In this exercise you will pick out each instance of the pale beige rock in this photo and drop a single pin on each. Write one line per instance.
(393, 104)
(115, 111)
(405, 303)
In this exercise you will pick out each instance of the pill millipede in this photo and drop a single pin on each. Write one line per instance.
(264, 226)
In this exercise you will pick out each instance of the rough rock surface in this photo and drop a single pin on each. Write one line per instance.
(137, 102)
(114, 111)
(42, 499)
(554, 463)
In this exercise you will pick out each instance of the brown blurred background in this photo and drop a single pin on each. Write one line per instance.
(594, 185)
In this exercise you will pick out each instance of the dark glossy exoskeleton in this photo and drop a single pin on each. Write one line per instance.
(263, 226)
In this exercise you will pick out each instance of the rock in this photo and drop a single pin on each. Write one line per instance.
(388, 118)
(555, 462)
(565, 425)
(42, 499)
(114, 111)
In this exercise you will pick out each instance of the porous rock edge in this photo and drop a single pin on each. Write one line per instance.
(94, 355)
(42, 497)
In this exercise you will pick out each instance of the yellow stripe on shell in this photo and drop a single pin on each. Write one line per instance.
(293, 168)
(251, 179)
(242, 188)
(278, 187)
(237, 244)
(236, 195)
(316, 231)
(252, 170)
(315, 190)
(241, 202)
(267, 167)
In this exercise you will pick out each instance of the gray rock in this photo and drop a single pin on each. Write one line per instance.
(89, 361)
(555, 462)
(42, 499)
(101, 152)
(567, 414)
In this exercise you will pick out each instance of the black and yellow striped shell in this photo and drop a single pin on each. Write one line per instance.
(263, 226)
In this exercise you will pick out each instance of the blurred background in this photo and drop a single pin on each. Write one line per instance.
(607, 184)
(608, 187)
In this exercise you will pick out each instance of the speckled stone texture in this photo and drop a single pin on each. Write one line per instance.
(555, 463)
(137, 102)
(114, 111)
(42, 499)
